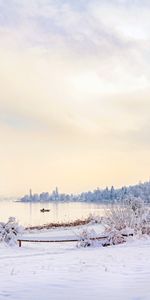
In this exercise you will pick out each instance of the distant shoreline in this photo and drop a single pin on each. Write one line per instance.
(107, 195)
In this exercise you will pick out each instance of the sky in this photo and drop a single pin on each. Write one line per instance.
(74, 94)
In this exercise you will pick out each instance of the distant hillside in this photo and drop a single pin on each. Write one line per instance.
(141, 190)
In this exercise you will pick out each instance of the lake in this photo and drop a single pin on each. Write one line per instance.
(29, 213)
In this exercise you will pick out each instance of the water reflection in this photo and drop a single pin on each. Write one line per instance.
(29, 213)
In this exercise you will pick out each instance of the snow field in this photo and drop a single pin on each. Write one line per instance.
(44, 271)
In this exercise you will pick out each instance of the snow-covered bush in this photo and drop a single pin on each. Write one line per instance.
(137, 205)
(118, 217)
(123, 219)
(114, 238)
(9, 231)
(127, 217)
(86, 238)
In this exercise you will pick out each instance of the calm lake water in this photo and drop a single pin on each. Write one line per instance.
(29, 213)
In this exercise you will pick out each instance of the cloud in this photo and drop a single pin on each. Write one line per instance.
(74, 87)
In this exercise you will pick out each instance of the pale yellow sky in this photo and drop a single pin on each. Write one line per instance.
(74, 94)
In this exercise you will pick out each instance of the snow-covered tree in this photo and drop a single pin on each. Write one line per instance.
(9, 231)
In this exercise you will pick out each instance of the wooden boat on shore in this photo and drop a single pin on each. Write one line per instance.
(44, 210)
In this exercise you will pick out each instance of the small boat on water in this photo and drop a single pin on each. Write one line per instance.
(44, 210)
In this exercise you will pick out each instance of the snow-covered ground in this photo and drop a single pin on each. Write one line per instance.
(46, 271)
